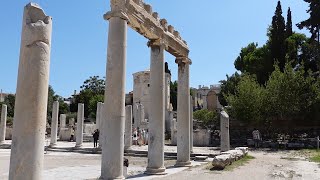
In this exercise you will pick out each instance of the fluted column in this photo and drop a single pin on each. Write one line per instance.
(30, 114)
(183, 113)
(54, 123)
(80, 120)
(157, 107)
(128, 128)
(114, 108)
(3, 123)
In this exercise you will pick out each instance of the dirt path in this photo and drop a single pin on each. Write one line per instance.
(265, 166)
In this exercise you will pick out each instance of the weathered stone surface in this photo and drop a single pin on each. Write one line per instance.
(221, 161)
(191, 125)
(63, 118)
(128, 128)
(224, 131)
(183, 113)
(157, 109)
(201, 158)
(235, 154)
(112, 131)
(98, 115)
(245, 150)
(54, 123)
(26, 161)
(80, 121)
(3, 123)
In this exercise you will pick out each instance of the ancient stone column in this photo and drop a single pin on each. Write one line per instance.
(128, 128)
(62, 121)
(3, 123)
(183, 113)
(71, 122)
(27, 150)
(141, 115)
(114, 108)
(157, 107)
(135, 114)
(191, 125)
(98, 115)
(80, 119)
(54, 123)
(224, 131)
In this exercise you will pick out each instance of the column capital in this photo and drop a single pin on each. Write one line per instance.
(157, 42)
(184, 60)
(116, 13)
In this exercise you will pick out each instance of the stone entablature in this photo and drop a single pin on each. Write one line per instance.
(143, 20)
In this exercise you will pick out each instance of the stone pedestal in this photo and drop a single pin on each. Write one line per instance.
(157, 107)
(128, 128)
(224, 131)
(27, 150)
(54, 123)
(3, 123)
(62, 120)
(80, 119)
(183, 113)
(114, 108)
(191, 125)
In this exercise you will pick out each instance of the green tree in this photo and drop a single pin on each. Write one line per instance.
(277, 38)
(91, 90)
(207, 117)
(228, 87)
(289, 31)
(93, 104)
(9, 101)
(173, 94)
(52, 96)
(246, 103)
(313, 22)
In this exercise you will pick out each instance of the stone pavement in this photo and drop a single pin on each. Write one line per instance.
(65, 163)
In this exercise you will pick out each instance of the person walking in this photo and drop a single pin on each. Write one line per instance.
(256, 137)
(95, 138)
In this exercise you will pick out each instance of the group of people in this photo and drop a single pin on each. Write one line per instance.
(140, 136)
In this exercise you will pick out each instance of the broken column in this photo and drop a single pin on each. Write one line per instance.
(224, 131)
(80, 119)
(3, 123)
(62, 121)
(98, 115)
(27, 150)
(157, 107)
(183, 113)
(191, 125)
(114, 108)
(128, 128)
(54, 123)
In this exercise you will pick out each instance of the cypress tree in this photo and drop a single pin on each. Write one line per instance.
(277, 38)
(289, 24)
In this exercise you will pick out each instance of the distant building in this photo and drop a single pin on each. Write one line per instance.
(206, 98)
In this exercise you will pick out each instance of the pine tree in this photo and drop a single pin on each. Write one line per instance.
(313, 23)
(277, 38)
(289, 24)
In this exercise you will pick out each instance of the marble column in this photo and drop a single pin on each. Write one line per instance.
(54, 123)
(98, 115)
(62, 121)
(224, 131)
(183, 113)
(128, 128)
(191, 125)
(80, 120)
(114, 108)
(27, 149)
(3, 123)
(141, 115)
(157, 107)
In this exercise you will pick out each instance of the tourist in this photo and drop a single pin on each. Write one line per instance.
(72, 134)
(256, 137)
(135, 137)
(95, 138)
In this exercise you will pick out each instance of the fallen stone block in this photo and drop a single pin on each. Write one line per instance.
(245, 150)
(221, 161)
(235, 154)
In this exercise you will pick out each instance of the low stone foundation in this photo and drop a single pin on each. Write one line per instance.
(228, 157)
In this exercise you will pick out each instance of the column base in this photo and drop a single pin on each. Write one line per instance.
(122, 177)
(2, 142)
(183, 164)
(53, 145)
(155, 171)
(78, 146)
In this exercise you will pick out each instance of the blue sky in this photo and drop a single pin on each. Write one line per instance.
(215, 31)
